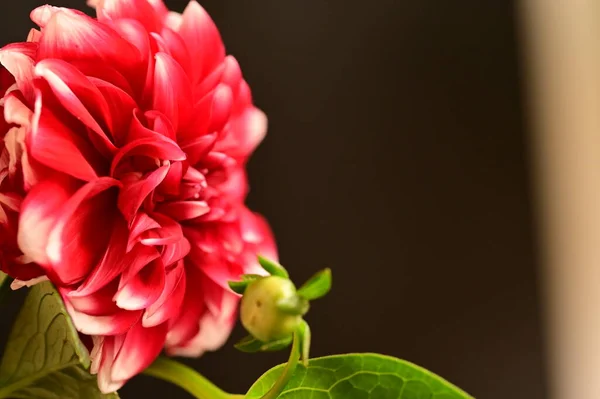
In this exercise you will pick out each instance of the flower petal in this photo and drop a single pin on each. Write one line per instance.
(133, 194)
(80, 97)
(139, 288)
(71, 35)
(186, 326)
(39, 211)
(203, 40)
(170, 232)
(112, 324)
(183, 210)
(18, 59)
(115, 261)
(245, 133)
(168, 305)
(139, 10)
(73, 247)
(172, 90)
(121, 107)
(141, 223)
(140, 348)
(175, 252)
(213, 333)
(57, 146)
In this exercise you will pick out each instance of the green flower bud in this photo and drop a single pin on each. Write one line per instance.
(261, 312)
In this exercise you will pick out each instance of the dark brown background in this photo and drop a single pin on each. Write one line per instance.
(396, 156)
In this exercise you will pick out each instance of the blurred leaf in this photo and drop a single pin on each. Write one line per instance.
(238, 287)
(5, 282)
(44, 357)
(358, 376)
(317, 287)
(277, 345)
(294, 305)
(274, 268)
(250, 344)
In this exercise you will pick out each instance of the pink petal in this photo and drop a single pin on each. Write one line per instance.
(168, 305)
(140, 348)
(228, 72)
(80, 97)
(133, 195)
(39, 211)
(139, 288)
(139, 10)
(18, 59)
(256, 230)
(234, 186)
(178, 49)
(213, 333)
(213, 111)
(150, 144)
(141, 223)
(215, 270)
(172, 182)
(173, 20)
(96, 354)
(172, 90)
(18, 284)
(11, 201)
(112, 324)
(157, 123)
(98, 303)
(103, 72)
(42, 15)
(135, 33)
(203, 40)
(186, 326)
(34, 36)
(71, 35)
(115, 261)
(106, 358)
(173, 253)
(170, 232)
(73, 247)
(55, 145)
(159, 8)
(183, 210)
(199, 147)
(121, 107)
(15, 111)
(246, 133)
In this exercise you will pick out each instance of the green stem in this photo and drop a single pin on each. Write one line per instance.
(187, 378)
(288, 371)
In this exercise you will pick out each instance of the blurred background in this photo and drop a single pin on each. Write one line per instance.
(400, 153)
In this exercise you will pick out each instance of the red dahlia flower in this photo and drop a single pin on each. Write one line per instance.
(123, 177)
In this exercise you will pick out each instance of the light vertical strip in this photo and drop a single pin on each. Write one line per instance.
(562, 54)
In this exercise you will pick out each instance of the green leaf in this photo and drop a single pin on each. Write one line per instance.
(317, 286)
(240, 286)
(358, 376)
(44, 357)
(250, 344)
(277, 345)
(294, 305)
(274, 268)
(5, 282)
